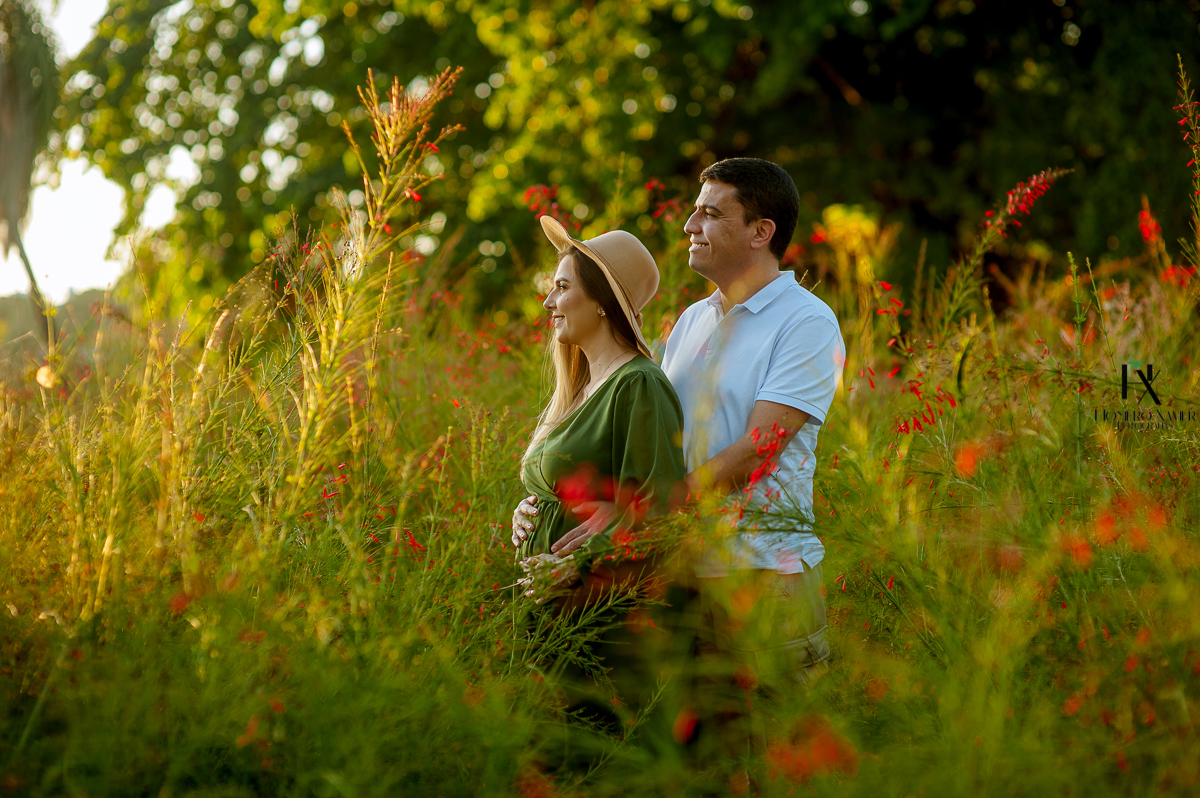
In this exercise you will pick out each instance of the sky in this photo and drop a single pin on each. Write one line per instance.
(69, 230)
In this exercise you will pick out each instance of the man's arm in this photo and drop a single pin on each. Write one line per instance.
(732, 467)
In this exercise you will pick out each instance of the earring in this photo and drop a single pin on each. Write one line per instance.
(601, 311)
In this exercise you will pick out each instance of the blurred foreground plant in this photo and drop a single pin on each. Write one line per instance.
(28, 99)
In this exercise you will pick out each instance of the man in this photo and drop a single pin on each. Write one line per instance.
(756, 366)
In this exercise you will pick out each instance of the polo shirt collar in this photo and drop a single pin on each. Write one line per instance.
(765, 296)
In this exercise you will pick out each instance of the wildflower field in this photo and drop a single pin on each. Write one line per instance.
(264, 550)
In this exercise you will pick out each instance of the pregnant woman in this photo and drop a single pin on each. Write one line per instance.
(612, 430)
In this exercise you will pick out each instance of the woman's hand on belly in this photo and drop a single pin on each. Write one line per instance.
(524, 518)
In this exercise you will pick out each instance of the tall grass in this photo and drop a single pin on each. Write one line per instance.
(266, 552)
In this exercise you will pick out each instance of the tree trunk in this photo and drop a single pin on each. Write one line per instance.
(42, 320)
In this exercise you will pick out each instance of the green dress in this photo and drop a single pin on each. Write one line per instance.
(622, 444)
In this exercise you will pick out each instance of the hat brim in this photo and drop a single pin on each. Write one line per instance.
(563, 242)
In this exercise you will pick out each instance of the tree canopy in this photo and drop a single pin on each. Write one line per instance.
(924, 111)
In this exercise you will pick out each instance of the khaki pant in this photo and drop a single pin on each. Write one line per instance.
(772, 623)
(757, 634)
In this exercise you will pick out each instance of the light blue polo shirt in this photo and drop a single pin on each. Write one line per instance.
(781, 345)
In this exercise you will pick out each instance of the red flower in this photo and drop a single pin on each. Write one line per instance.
(1148, 225)
(179, 602)
(250, 733)
(792, 255)
(1009, 557)
(816, 749)
(967, 458)
(1137, 539)
(538, 195)
(578, 486)
(669, 210)
(1021, 199)
(685, 725)
(624, 539)
(1079, 549)
(412, 541)
(1106, 532)
(1177, 275)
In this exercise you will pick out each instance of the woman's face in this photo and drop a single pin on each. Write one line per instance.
(574, 315)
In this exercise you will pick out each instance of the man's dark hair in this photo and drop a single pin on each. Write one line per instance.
(765, 190)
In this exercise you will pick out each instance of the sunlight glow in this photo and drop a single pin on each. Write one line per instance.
(70, 229)
(68, 234)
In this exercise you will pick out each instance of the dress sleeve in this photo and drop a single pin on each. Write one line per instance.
(647, 457)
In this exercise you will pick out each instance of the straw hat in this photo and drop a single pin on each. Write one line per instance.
(626, 263)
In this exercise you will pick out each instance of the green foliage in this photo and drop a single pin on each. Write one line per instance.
(921, 111)
(269, 555)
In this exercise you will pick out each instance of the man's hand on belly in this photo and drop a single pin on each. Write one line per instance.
(598, 516)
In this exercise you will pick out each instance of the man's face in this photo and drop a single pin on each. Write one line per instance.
(721, 239)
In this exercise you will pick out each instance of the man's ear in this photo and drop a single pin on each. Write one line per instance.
(764, 229)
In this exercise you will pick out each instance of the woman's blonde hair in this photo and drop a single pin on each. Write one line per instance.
(569, 363)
